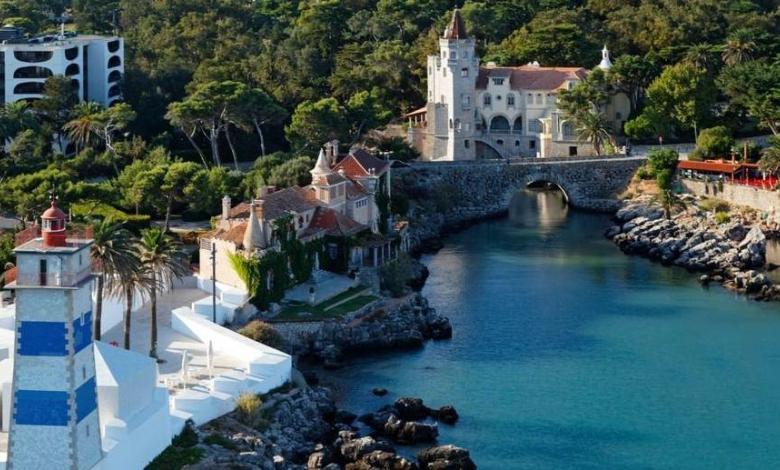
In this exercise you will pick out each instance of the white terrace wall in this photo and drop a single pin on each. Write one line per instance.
(741, 195)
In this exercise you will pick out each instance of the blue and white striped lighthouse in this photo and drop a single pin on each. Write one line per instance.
(54, 422)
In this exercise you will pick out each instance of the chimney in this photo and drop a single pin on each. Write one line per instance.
(226, 205)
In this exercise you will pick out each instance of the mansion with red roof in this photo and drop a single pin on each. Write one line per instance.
(340, 202)
(476, 111)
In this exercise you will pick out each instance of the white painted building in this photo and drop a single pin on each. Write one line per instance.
(67, 401)
(476, 111)
(95, 64)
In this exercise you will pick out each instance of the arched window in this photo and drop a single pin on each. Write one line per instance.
(113, 46)
(450, 123)
(32, 72)
(114, 61)
(567, 129)
(73, 69)
(535, 126)
(487, 100)
(27, 88)
(114, 76)
(518, 125)
(499, 124)
(457, 124)
(71, 53)
(33, 56)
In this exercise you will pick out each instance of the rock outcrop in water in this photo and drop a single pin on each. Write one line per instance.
(405, 325)
(732, 253)
(305, 431)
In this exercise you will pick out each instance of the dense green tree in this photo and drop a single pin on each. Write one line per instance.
(680, 99)
(755, 86)
(553, 37)
(715, 141)
(317, 122)
(56, 105)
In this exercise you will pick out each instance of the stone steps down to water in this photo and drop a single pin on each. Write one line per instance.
(733, 253)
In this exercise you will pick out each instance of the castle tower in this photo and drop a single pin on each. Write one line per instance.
(452, 79)
(605, 64)
(55, 418)
(329, 186)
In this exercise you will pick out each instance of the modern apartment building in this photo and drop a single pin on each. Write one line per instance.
(95, 64)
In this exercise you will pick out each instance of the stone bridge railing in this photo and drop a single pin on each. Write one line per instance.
(588, 182)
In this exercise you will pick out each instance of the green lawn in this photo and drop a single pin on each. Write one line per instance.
(328, 309)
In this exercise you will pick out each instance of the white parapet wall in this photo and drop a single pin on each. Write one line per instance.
(258, 359)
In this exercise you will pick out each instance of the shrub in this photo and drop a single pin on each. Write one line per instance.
(715, 205)
(715, 141)
(248, 409)
(722, 217)
(697, 155)
(174, 458)
(263, 333)
(645, 173)
(188, 437)
(100, 210)
(220, 440)
(395, 275)
(662, 159)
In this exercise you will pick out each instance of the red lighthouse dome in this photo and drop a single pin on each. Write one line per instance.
(53, 226)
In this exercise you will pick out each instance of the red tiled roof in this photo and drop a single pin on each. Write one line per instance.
(358, 164)
(528, 77)
(457, 28)
(334, 223)
(717, 166)
(275, 204)
(235, 234)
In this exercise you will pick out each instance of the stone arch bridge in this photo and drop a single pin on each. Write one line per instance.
(483, 188)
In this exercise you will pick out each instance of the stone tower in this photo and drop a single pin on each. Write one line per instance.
(55, 418)
(452, 78)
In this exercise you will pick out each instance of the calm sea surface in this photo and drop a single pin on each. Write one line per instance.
(568, 354)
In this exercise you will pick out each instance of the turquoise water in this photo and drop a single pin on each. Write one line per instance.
(568, 354)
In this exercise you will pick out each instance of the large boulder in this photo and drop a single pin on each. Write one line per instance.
(410, 432)
(408, 408)
(354, 449)
(447, 457)
(446, 414)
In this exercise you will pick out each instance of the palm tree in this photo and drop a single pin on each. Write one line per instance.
(594, 128)
(739, 48)
(701, 55)
(81, 129)
(136, 281)
(770, 160)
(112, 255)
(163, 261)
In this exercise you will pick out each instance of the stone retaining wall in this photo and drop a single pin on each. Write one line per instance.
(759, 199)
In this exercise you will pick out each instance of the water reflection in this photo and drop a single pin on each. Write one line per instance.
(544, 209)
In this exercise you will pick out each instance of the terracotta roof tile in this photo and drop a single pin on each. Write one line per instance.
(276, 204)
(334, 223)
(457, 28)
(528, 77)
(235, 234)
(358, 164)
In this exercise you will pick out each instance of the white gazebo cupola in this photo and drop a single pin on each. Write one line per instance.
(605, 64)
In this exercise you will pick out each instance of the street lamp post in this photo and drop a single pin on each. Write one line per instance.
(214, 283)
